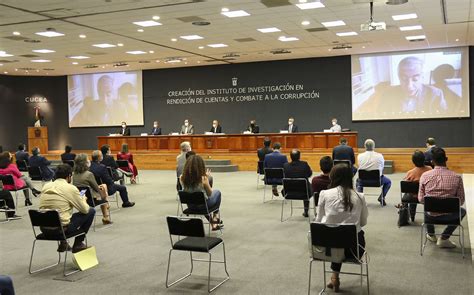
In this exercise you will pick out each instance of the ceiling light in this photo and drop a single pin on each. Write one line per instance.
(75, 63)
(82, 36)
(151, 51)
(225, 9)
(50, 34)
(310, 5)
(140, 30)
(104, 45)
(78, 57)
(119, 44)
(201, 47)
(404, 16)
(40, 60)
(191, 37)
(335, 23)
(5, 72)
(156, 17)
(43, 51)
(269, 30)
(174, 39)
(235, 13)
(411, 28)
(457, 40)
(16, 33)
(218, 45)
(4, 54)
(287, 39)
(147, 23)
(135, 52)
(345, 34)
(303, 1)
(418, 37)
(198, 61)
(157, 60)
(1, 65)
(305, 22)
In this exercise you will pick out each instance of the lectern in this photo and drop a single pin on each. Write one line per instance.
(38, 136)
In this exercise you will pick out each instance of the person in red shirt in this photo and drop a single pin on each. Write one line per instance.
(321, 182)
(126, 155)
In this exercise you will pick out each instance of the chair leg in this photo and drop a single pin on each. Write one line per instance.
(461, 239)
(309, 279)
(168, 270)
(324, 278)
(264, 190)
(423, 239)
(44, 268)
(367, 271)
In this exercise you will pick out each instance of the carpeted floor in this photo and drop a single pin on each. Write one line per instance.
(264, 255)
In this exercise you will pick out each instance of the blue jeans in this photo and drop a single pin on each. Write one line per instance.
(386, 184)
(6, 286)
(448, 231)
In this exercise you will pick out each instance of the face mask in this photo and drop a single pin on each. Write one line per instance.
(333, 123)
(123, 126)
(186, 124)
(290, 122)
(156, 126)
(214, 125)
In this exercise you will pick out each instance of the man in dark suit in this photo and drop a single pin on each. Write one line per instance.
(156, 129)
(275, 160)
(39, 161)
(291, 127)
(100, 171)
(109, 161)
(344, 152)
(216, 127)
(68, 155)
(187, 128)
(299, 169)
(125, 130)
(21, 154)
(253, 127)
(265, 150)
(430, 143)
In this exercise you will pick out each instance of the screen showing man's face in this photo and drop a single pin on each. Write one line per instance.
(410, 76)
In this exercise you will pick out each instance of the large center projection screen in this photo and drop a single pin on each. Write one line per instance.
(427, 84)
(105, 99)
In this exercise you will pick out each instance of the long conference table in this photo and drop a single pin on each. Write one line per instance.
(307, 141)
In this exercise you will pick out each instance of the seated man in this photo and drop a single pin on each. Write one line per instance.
(262, 152)
(36, 160)
(6, 285)
(109, 161)
(344, 152)
(253, 127)
(299, 169)
(440, 183)
(100, 171)
(275, 160)
(321, 182)
(21, 154)
(68, 155)
(418, 159)
(216, 127)
(371, 160)
(62, 196)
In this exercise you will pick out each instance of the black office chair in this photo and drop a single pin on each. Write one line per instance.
(192, 238)
(260, 171)
(35, 173)
(9, 180)
(295, 189)
(196, 205)
(50, 218)
(273, 176)
(448, 205)
(371, 178)
(69, 162)
(345, 162)
(410, 187)
(123, 165)
(22, 165)
(93, 202)
(326, 238)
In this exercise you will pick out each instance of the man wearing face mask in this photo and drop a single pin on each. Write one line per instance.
(291, 127)
(216, 127)
(253, 127)
(124, 131)
(335, 127)
(187, 128)
(156, 129)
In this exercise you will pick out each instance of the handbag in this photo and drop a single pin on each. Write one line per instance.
(336, 255)
(403, 215)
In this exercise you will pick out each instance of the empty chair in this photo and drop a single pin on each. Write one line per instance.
(295, 189)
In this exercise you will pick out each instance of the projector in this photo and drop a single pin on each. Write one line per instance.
(373, 26)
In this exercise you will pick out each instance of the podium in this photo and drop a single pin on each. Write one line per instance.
(38, 137)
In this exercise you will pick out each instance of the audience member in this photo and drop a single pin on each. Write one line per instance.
(109, 161)
(6, 283)
(430, 143)
(371, 160)
(100, 171)
(195, 178)
(321, 182)
(340, 204)
(36, 160)
(344, 152)
(275, 159)
(418, 159)
(181, 158)
(441, 183)
(124, 154)
(9, 203)
(82, 177)
(68, 155)
(262, 152)
(299, 169)
(22, 154)
(62, 196)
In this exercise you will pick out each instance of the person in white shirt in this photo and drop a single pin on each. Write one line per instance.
(340, 204)
(371, 160)
(335, 127)
(187, 128)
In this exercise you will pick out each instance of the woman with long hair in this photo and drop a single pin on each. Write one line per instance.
(195, 178)
(341, 204)
(124, 154)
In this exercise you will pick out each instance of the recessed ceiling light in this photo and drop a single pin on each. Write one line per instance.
(135, 52)
(157, 60)
(201, 47)
(43, 51)
(457, 40)
(404, 16)
(287, 39)
(225, 9)
(140, 30)
(363, 46)
(174, 39)
(345, 34)
(49, 34)
(16, 70)
(40, 60)
(4, 54)
(120, 44)
(418, 37)
(1, 65)
(235, 13)
(218, 45)
(305, 23)
(310, 5)
(269, 30)
(16, 33)
(191, 37)
(104, 45)
(335, 23)
(82, 36)
(5, 72)
(78, 57)
(147, 23)
(75, 63)
(151, 51)
(156, 17)
(411, 28)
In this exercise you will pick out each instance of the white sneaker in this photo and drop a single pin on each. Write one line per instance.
(431, 238)
(445, 243)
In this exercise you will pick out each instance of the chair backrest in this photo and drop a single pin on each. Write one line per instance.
(189, 227)
(7, 179)
(345, 162)
(260, 168)
(98, 179)
(274, 173)
(448, 204)
(35, 173)
(409, 187)
(196, 198)
(296, 187)
(48, 218)
(122, 163)
(22, 166)
(334, 235)
(69, 162)
(370, 177)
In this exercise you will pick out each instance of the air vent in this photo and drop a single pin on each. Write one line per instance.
(275, 3)
(120, 64)
(16, 38)
(245, 40)
(231, 55)
(27, 69)
(4, 61)
(201, 23)
(91, 67)
(190, 19)
(211, 60)
(32, 41)
(342, 46)
(417, 40)
(144, 62)
(280, 51)
(312, 30)
(29, 55)
(229, 59)
(96, 53)
(48, 69)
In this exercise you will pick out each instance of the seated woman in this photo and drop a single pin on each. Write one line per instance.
(127, 156)
(195, 178)
(6, 199)
(21, 181)
(341, 204)
(83, 177)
